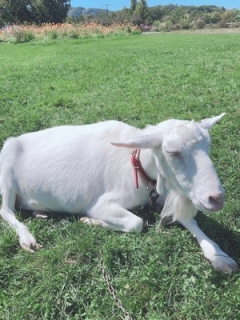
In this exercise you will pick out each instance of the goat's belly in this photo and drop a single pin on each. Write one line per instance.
(47, 205)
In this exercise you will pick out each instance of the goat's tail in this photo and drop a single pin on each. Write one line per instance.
(9, 155)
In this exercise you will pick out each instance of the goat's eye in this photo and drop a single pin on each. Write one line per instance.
(175, 154)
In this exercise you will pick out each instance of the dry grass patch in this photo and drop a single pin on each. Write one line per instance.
(26, 33)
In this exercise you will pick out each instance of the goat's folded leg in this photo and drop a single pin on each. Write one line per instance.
(114, 217)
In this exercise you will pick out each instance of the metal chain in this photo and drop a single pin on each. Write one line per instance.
(112, 290)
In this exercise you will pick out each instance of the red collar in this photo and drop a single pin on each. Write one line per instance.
(137, 168)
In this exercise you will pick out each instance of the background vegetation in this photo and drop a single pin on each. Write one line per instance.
(161, 18)
(157, 18)
(159, 274)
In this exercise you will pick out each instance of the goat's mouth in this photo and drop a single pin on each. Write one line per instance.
(211, 205)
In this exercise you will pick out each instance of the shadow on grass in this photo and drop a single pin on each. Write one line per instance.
(55, 216)
(227, 239)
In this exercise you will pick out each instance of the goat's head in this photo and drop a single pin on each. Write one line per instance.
(181, 152)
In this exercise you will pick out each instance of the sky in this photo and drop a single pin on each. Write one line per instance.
(115, 5)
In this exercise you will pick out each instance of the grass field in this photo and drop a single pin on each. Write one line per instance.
(142, 79)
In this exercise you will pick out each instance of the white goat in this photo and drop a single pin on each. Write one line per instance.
(87, 169)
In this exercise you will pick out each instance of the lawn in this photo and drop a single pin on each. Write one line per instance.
(140, 79)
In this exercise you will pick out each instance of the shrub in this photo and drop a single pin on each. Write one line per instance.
(175, 26)
(156, 23)
(22, 35)
(199, 24)
(222, 24)
(129, 30)
(185, 25)
(54, 34)
(74, 35)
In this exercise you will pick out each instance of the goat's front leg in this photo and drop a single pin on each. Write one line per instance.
(219, 259)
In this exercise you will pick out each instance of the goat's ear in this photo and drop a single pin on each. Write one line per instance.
(150, 140)
(208, 123)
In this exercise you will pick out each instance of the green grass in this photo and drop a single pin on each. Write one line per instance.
(160, 274)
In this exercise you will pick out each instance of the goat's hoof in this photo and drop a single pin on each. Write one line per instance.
(31, 249)
(28, 243)
(39, 215)
(86, 220)
(225, 263)
(90, 221)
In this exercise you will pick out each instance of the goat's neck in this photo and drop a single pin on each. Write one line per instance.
(148, 163)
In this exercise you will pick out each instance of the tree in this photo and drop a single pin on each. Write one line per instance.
(140, 14)
(133, 5)
(155, 13)
(14, 11)
(50, 10)
(33, 11)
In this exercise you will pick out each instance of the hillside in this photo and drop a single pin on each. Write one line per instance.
(78, 11)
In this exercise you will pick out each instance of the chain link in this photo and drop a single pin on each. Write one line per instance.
(112, 290)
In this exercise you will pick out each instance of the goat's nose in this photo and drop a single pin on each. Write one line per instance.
(217, 199)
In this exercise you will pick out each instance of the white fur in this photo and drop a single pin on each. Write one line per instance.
(87, 169)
